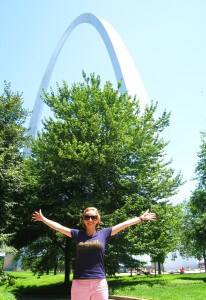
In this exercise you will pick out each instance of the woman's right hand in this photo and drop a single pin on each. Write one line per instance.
(37, 216)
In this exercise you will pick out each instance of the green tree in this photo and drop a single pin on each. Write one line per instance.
(194, 226)
(165, 232)
(160, 237)
(12, 140)
(97, 150)
(41, 256)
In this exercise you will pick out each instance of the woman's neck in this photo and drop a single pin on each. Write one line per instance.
(90, 231)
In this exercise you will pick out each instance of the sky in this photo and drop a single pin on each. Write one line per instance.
(166, 39)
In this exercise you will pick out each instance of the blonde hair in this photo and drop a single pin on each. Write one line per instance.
(97, 214)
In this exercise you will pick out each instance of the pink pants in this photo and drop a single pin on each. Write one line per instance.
(89, 289)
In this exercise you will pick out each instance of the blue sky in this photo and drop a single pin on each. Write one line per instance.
(166, 39)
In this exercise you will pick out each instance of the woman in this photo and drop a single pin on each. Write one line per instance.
(89, 282)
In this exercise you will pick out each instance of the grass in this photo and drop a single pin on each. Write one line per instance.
(167, 287)
(6, 296)
(25, 283)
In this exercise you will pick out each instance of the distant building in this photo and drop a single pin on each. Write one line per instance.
(10, 265)
(171, 264)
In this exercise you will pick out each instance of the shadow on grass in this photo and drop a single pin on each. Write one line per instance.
(150, 281)
(201, 278)
(122, 283)
(58, 290)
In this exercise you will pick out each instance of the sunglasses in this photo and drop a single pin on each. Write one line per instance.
(87, 218)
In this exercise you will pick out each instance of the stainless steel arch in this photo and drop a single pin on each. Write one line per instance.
(121, 60)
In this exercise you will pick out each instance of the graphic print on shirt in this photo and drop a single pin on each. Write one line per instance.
(89, 245)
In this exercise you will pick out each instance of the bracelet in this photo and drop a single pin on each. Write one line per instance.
(141, 219)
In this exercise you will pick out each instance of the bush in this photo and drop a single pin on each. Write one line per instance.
(7, 296)
(6, 279)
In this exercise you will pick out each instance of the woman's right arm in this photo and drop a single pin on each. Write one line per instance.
(38, 216)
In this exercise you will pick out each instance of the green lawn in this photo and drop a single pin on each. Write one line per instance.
(167, 287)
(6, 296)
(175, 287)
(25, 283)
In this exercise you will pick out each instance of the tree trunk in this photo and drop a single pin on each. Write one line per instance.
(155, 268)
(204, 258)
(159, 268)
(1, 263)
(163, 269)
(55, 266)
(47, 270)
(67, 262)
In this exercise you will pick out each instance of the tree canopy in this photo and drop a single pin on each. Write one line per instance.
(99, 150)
(194, 226)
(12, 140)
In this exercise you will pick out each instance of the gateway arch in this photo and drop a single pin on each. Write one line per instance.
(121, 60)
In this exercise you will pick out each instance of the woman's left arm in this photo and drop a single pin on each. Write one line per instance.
(147, 216)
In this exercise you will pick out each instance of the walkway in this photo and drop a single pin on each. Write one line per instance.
(111, 298)
(38, 298)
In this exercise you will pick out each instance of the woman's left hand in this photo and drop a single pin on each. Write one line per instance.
(147, 216)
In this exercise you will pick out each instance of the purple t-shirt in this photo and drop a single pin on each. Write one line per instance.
(90, 253)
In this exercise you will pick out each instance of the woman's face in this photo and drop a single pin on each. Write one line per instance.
(90, 219)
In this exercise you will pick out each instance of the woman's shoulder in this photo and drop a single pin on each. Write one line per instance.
(74, 232)
(105, 231)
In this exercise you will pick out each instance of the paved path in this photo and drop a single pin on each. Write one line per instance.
(37, 298)
(67, 298)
